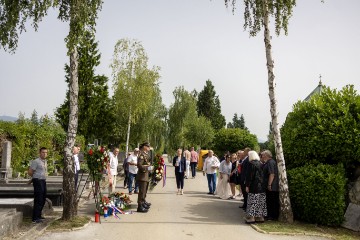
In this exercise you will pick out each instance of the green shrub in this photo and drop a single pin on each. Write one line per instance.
(325, 129)
(233, 139)
(317, 193)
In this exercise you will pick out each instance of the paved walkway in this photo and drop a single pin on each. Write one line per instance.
(194, 215)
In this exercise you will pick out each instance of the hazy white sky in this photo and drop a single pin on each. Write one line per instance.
(193, 41)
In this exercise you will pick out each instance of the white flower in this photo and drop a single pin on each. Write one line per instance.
(98, 160)
(157, 171)
(161, 171)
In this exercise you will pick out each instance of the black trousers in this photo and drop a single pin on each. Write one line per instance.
(39, 197)
(272, 204)
(193, 168)
(126, 179)
(244, 193)
(179, 180)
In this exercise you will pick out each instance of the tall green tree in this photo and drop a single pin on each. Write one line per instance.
(233, 139)
(135, 85)
(81, 15)
(237, 122)
(208, 105)
(96, 117)
(181, 113)
(199, 132)
(257, 14)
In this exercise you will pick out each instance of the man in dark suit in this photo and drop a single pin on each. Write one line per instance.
(142, 176)
(244, 169)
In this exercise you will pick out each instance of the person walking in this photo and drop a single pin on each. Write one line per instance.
(271, 184)
(256, 203)
(211, 164)
(179, 163)
(133, 170)
(187, 156)
(193, 162)
(223, 187)
(142, 177)
(38, 172)
(113, 165)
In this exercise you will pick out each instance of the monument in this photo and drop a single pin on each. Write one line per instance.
(6, 170)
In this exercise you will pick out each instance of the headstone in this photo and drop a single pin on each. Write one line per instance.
(6, 170)
(352, 217)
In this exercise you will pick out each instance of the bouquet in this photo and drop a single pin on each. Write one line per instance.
(97, 161)
(159, 171)
(120, 199)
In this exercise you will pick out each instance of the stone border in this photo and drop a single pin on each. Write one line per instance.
(256, 228)
(67, 230)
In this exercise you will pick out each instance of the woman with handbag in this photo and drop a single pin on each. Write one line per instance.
(179, 162)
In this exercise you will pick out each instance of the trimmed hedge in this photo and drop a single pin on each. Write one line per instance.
(317, 193)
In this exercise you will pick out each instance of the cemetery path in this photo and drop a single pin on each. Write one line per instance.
(194, 215)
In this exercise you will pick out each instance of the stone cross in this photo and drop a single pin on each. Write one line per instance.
(6, 170)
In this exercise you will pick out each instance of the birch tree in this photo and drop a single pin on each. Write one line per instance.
(81, 15)
(257, 14)
(134, 84)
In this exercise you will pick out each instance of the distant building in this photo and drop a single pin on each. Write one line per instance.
(317, 90)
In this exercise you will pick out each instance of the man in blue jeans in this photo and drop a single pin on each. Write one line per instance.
(133, 170)
(38, 170)
(211, 163)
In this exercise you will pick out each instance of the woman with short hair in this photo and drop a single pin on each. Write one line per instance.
(179, 162)
(256, 203)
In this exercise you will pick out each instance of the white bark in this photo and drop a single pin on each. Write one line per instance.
(70, 204)
(286, 214)
(128, 133)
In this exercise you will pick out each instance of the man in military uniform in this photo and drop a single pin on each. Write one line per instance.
(142, 176)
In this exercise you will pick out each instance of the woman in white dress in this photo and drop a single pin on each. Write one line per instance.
(223, 187)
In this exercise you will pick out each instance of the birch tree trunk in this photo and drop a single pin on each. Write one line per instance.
(69, 194)
(286, 214)
(128, 133)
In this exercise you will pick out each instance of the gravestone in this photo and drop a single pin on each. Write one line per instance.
(352, 217)
(6, 170)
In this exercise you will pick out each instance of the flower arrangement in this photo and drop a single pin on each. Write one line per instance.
(120, 199)
(97, 161)
(159, 171)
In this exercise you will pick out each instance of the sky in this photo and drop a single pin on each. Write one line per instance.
(193, 41)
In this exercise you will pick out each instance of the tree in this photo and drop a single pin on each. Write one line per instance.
(233, 139)
(257, 15)
(237, 122)
(81, 15)
(135, 85)
(199, 132)
(96, 116)
(208, 105)
(324, 129)
(181, 113)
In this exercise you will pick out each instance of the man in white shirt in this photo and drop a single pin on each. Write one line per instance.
(211, 163)
(113, 164)
(133, 170)
(76, 151)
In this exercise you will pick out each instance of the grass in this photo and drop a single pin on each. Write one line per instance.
(78, 221)
(336, 233)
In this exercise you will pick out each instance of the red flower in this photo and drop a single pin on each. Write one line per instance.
(105, 159)
(102, 149)
(91, 152)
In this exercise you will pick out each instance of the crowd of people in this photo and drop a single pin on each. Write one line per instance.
(257, 176)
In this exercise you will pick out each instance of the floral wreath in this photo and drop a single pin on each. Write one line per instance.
(159, 171)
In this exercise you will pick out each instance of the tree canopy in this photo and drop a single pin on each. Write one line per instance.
(96, 117)
(208, 105)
